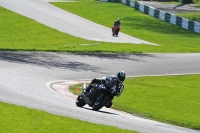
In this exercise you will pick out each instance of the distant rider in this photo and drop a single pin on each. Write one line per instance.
(116, 23)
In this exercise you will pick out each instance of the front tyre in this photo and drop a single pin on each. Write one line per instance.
(80, 102)
(98, 104)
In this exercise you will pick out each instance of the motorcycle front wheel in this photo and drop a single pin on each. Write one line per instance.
(100, 102)
(79, 101)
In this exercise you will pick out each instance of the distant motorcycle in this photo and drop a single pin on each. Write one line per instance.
(97, 97)
(116, 30)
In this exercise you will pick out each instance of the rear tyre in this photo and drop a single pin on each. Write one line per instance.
(117, 32)
(98, 104)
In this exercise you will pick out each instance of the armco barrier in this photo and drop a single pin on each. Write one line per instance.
(162, 15)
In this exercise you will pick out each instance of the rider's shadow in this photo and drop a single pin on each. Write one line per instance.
(106, 112)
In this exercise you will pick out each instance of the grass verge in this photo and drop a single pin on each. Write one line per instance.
(169, 99)
(23, 120)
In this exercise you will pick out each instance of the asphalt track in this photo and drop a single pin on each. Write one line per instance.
(27, 77)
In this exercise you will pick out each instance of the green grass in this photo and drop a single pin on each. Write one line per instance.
(169, 99)
(191, 16)
(21, 33)
(17, 119)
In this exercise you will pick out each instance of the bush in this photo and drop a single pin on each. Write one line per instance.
(187, 1)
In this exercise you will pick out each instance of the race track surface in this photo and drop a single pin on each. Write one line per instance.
(26, 74)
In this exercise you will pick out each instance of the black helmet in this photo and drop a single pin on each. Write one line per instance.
(121, 76)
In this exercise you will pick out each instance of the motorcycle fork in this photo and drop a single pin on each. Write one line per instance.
(90, 100)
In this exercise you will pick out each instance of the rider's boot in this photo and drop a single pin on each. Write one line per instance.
(109, 104)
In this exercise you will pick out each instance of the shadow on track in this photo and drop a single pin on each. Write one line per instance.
(45, 59)
(116, 55)
(63, 61)
(106, 112)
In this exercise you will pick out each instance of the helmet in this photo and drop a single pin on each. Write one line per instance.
(121, 76)
(118, 19)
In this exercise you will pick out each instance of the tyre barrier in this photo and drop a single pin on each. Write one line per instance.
(162, 15)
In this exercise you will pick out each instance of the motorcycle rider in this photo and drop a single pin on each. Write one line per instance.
(116, 23)
(110, 82)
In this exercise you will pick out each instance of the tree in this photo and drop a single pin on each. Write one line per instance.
(187, 1)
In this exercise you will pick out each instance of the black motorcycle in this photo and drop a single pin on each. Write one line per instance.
(97, 97)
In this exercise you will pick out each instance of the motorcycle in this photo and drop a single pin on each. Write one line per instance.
(97, 97)
(116, 30)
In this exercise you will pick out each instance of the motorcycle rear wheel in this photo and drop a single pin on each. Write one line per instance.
(99, 104)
